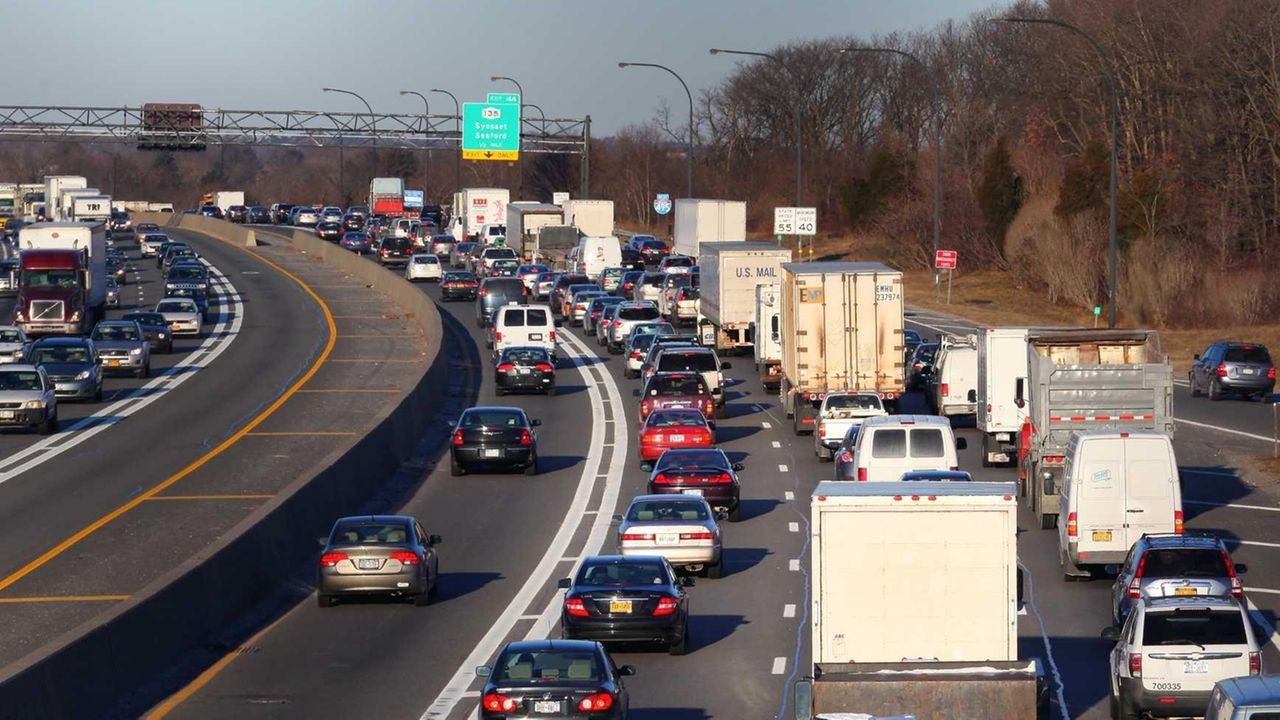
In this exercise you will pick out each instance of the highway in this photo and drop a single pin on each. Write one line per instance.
(505, 545)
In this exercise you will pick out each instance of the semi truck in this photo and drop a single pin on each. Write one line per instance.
(766, 335)
(1085, 380)
(591, 217)
(730, 273)
(523, 222)
(386, 196)
(90, 209)
(699, 221)
(62, 277)
(10, 202)
(914, 598)
(841, 328)
(53, 187)
(475, 207)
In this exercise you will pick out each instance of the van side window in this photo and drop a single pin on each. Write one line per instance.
(889, 444)
(513, 318)
(538, 317)
(927, 443)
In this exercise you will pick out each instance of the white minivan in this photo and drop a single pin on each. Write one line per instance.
(523, 326)
(890, 445)
(1116, 486)
(594, 254)
(955, 380)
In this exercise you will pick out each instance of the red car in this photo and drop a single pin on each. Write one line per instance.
(675, 390)
(674, 429)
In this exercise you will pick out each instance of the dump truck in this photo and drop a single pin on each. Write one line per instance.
(914, 599)
(1085, 380)
(841, 329)
(730, 273)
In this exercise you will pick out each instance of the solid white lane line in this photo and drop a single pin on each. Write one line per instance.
(1030, 602)
(779, 665)
(1259, 544)
(1261, 621)
(788, 496)
(793, 564)
(782, 468)
(1264, 591)
(789, 610)
(1215, 473)
(1229, 431)
(1235, 506)
(793, 527)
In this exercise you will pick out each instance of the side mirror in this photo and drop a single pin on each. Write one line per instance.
(564, 583)
(973, 396)
(483, 671)
(726, 366)
(1111, 632)
(535, 423)
(627, 670)
(434, 539)
(324, 542)
(1196, 356)
(737, 467)
(646, 466)
(686, 581)
(635, 392)
(453, 421)
(1241, 568)
(961, 443)
(617, 518)
(773, 337)
(1020, 403)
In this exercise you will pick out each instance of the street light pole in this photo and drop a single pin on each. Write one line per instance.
(519, 131)
(937, 139)
(426, 127)
(689, 151)
(457, 159)
(795, 107)
(1112, 251)
(373, 122)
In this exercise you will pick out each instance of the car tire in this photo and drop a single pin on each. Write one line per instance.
(324, 601)
(456, 468)
(630, 374)
(532, 468)
(551, 391)
(735, 515)
(824, 454)
(97, 395)
(715, 571)
(1215, 391)
(681, 647)
(720, 412)
(1191, 383)
(144, 371)
(49, 426)
(422, 599)
(499, 391)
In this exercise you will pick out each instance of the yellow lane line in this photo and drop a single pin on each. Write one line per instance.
(98, 524)
(61, 598)
(212, 497)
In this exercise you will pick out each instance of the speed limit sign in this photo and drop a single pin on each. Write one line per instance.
(795, 221)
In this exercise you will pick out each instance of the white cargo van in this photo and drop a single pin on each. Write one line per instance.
(523, 326)
(1116, 486)
(955, 374)
(890, 445)
(594, 254)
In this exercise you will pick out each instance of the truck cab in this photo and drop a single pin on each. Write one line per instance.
(61, 278)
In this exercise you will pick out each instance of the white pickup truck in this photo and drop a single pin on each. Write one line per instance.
(838, 412)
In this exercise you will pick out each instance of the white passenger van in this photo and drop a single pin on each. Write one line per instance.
(1116, 486)
(524, 326)
(890, 445)
(593, 254)
(955, 380)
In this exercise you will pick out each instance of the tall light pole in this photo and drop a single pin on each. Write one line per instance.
(937, 138)
(688, 190)
(796, 111)
(1112, 251)
(373, 123)
(426, 107)
(426, 127)
(519, 131)
(457, 158)
(535, 107)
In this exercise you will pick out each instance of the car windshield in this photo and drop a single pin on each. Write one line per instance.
(689, 293)
(19, 380)
(1248, 354)
(145, 318)
(186, 306)
(115, 333)
(492, 418)
(642, 342)
(854, 402)
(1194, 626)
(676, 419)
(370, 533)
(668, 511)
(631, 572)
(10, 336)
(639, 313)
(678, 261)
(692, 460)
(492, 253)
(459, 276)
(661, 386)
(75, 355)
(525, 356)
(1184, 562)
(548, 666)
(426, 260)
(662, 327)
(687, 361)
(187, 272)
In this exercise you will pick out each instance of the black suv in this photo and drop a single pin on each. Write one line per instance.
(1224, 367)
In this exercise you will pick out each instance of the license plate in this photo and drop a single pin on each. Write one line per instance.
(369, 563)
(677, 438)
(620, 606)
(1195, 667)
(546, 706)
(1246, 371)
(113, 363)
(523, 371)
(175, 326)
(1184, 591)
(669, 539)
(1102, 536)
(492, 453)
(7, 414)
(535, 336)
(692, 491)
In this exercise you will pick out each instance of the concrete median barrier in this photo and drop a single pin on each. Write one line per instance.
(141, 650)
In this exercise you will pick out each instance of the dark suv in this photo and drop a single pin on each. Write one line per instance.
(1226, 367)
(1175, 565)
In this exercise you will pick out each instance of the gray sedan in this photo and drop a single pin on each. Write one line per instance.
(72, 366)
(27, 399)
(378, 555)
(13, 344)
(182, 314)
(122, 347)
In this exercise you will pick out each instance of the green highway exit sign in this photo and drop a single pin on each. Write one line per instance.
(491, 130)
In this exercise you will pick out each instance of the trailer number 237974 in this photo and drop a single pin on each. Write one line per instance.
(887, 293)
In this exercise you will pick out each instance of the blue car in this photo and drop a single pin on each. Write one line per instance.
(356, 242)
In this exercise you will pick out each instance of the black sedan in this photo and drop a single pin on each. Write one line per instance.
(459, 285)
(524, 368)
(378, 555)
(258, 215)
(704, 472)
(554, 679)
(155, 328)
(489, 437)
(631, 599)
(329, 230)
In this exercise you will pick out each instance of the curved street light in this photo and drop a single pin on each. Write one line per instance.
(688, 152)
(457, 158)
(796, 111)
(426, 108)
(373, 122)
(520, 161)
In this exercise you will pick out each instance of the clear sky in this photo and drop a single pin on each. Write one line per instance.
(277, 54)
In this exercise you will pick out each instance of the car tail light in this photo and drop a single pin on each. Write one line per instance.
(1237, 587)
(697, 536)
(1055, 459)
(1222, 369)
(708, 405)
(1177, 522)
(1255, 663)
(636, 354)
(330, 559)
(405, 557)
(945, 390)
(526, 438)
(497, 336)
(705, 436)
(1073, 525)
(484, 292)
(822, 429)
(553, 336)
(637, 536)
(646, 406)
(846, 456)
(457, 438)
(1271, 374)
(917, 367)
(506, 367)
(497, 702)
(575, 607)
(1135, 589)
(721, 479)
(646, 437)
(1135, 664)
(543, 367)
(661, 479)
(862, 474)
(596, 702)
(666, 606)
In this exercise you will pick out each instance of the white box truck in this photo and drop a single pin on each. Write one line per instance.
(730, 273)
(841, 330)
(67, 198)
(53, 187)
(591, 217)
(914, 603)
(90, 209)
(766, 335)
(523, 222)
(1001, 393)
(475, 207)
(226, 198)
(699, 221)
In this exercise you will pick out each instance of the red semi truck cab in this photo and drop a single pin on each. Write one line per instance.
(51, 292)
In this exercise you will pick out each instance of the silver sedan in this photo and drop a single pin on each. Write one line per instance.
(182, 314)
(681, 528)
